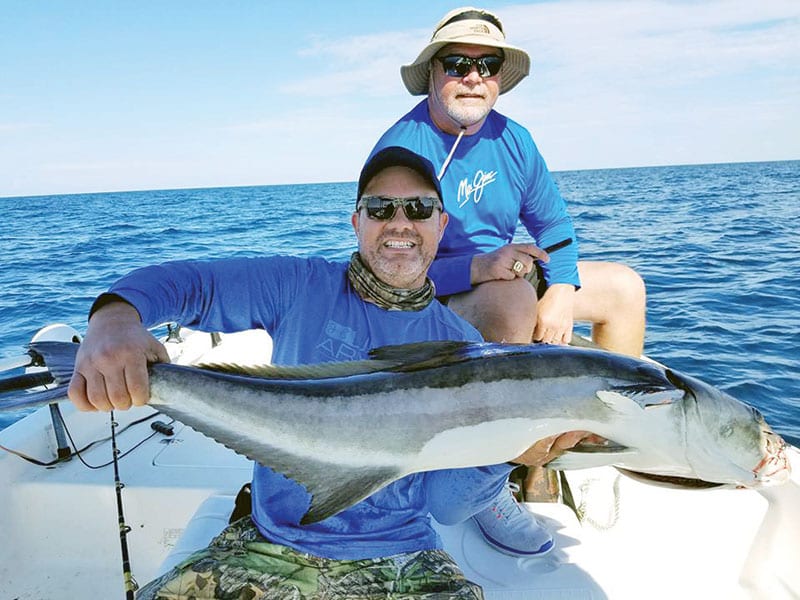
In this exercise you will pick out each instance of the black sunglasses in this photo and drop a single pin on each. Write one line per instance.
(456, 65)
(383, 208)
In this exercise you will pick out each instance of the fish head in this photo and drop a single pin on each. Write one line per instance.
(728, 441)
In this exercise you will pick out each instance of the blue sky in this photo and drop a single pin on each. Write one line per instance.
(109, 95)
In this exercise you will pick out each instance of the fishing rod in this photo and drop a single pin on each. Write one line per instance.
(130, 583)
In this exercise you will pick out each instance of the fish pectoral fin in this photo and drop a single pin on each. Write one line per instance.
(582, 459)
(605, 447)
(334, 488)
(631, 399)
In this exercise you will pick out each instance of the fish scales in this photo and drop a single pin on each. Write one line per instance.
(346, 423)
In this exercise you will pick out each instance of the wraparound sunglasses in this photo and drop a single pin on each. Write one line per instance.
(456, 65)
(383, 208)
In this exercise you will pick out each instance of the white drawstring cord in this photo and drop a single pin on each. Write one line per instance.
(452, 151)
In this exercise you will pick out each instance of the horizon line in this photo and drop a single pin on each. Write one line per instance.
(262, 185)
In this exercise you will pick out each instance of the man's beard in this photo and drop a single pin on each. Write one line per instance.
(466, 115)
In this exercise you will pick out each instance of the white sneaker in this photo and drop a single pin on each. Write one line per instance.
(512, 529)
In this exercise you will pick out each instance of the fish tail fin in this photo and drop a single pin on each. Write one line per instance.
(59, 358)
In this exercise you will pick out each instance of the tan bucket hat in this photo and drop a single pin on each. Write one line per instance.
(467, 25)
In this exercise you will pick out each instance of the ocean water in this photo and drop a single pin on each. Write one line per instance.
(717, 245)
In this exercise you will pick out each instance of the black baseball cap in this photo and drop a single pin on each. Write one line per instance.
(397, 156)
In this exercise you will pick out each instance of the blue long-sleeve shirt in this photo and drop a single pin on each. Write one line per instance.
(495, 179)
(313, 315)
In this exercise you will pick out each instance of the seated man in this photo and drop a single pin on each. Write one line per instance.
(494, 177)
(316, 311)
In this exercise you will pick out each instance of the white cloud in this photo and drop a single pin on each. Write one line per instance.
(634, 83)
(613, 73)
(364, 65)
(666, 42)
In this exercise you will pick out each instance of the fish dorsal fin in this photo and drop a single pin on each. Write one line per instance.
(630, 398)
(419, 355)
(398, 358)
(402, 357)
(314, 371)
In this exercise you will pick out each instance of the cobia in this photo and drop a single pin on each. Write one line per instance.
(345, 430)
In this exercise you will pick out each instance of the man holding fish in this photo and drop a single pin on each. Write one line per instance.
(316, 311)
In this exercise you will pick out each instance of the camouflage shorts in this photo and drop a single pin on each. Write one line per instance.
(240, 564)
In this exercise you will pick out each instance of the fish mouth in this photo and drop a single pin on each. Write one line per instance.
(775, 467)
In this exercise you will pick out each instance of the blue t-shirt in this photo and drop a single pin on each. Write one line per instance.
(313, 315)
(495, 179)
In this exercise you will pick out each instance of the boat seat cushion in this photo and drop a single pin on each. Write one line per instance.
(208, 521)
